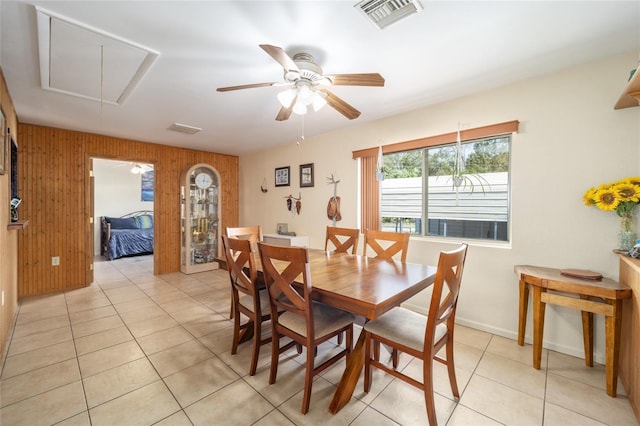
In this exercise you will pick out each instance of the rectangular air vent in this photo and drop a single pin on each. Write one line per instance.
(385, 12)
(183, 128)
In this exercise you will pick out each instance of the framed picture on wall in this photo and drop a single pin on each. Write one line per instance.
(282, 176)
(3, 143)
(306, 175)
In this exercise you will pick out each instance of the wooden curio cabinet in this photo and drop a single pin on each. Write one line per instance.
(200, 219)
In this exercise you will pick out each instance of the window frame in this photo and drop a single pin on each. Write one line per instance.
(370, 188)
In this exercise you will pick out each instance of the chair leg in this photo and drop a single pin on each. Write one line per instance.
(427, 378)
(308, 379)
(340, 338)
(367, 361)
(236, 334)
(451, 369)
(376, 350)
(275, 354)
(394, 358)
(231, 309)
(255, 352)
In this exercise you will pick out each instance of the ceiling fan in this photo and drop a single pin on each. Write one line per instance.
(307, 85)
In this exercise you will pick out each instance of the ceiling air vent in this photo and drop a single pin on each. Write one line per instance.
(183, 128)
(385, 12)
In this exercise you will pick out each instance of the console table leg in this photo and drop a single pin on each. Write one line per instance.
(538, 326)
(613, 325)
(522, 311)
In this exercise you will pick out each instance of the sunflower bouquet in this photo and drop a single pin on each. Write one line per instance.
(620, 197)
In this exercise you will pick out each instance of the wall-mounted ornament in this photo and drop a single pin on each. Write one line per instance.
(333, 207)
(263, 186)
(294, 204)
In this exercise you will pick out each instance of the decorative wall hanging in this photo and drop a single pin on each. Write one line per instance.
(294, 204)
(333, 207)
(306, 175)
(263, 186)
(147, 186)
(282, 176)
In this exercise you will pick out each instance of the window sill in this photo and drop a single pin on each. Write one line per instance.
(21, 224)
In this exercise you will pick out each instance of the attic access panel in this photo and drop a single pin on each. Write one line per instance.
(78, 60)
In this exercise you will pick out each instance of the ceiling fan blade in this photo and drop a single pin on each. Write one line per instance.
(284, 113)
(341, 106)
(367, 79)
(281, 56)
(245, 86)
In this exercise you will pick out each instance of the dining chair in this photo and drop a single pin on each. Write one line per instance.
(251, 233)
(422, 336)
(247, 298)
(342, 239)
(295, 315)
(386, 244)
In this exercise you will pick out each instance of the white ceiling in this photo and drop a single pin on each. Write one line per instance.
(450, 49)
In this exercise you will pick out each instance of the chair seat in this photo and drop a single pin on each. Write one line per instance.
(405, 327)
(247, 301)
(325, 320)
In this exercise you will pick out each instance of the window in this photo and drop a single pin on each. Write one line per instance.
(424, 195)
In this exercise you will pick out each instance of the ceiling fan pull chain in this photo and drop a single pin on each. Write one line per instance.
(301, 130)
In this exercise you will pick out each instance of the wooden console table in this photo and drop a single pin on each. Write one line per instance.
(603, 297)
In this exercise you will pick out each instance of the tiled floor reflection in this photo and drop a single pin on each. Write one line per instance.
(134, 348)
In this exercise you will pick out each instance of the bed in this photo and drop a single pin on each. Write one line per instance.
(128, 235)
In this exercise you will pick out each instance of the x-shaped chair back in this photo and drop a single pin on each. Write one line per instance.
(386, 244)
(240, 260)
(342, 239)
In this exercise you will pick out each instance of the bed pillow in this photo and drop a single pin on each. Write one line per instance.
(144, 221)
(122, 222)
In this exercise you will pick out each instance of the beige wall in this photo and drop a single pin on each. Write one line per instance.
(570, 139)
(8, 239)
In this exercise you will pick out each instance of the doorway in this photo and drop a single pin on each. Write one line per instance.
(119, 188)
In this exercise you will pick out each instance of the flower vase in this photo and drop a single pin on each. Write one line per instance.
(627, 234)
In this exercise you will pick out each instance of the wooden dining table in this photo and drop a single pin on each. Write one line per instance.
(363, 286)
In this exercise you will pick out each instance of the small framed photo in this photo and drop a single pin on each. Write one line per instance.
(306, 175)
(282, 176)
(282, 228)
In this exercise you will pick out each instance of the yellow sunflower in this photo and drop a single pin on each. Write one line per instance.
(589, 197)
(607, 199)
(628, 191)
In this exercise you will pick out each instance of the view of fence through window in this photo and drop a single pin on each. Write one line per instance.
(423, 192)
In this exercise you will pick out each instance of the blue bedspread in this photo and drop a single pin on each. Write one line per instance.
(127, 242)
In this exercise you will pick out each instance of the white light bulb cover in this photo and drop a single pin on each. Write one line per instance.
(286, 98)
(318, 101)
(305, 95)
(299, 108)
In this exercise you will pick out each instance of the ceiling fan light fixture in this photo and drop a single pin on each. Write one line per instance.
(287, 97)
(319, 101)
(305, 95)
(299, 108)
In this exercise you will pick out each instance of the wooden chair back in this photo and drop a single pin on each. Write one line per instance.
(281, 267)
(386, 244)
(342, 239)
(251, 233)
(442, 309)
(240, 260)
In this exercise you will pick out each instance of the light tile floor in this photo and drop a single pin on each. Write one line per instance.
(134, 348)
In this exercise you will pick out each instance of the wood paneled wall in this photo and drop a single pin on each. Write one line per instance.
(55, 188)
(8, 238)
